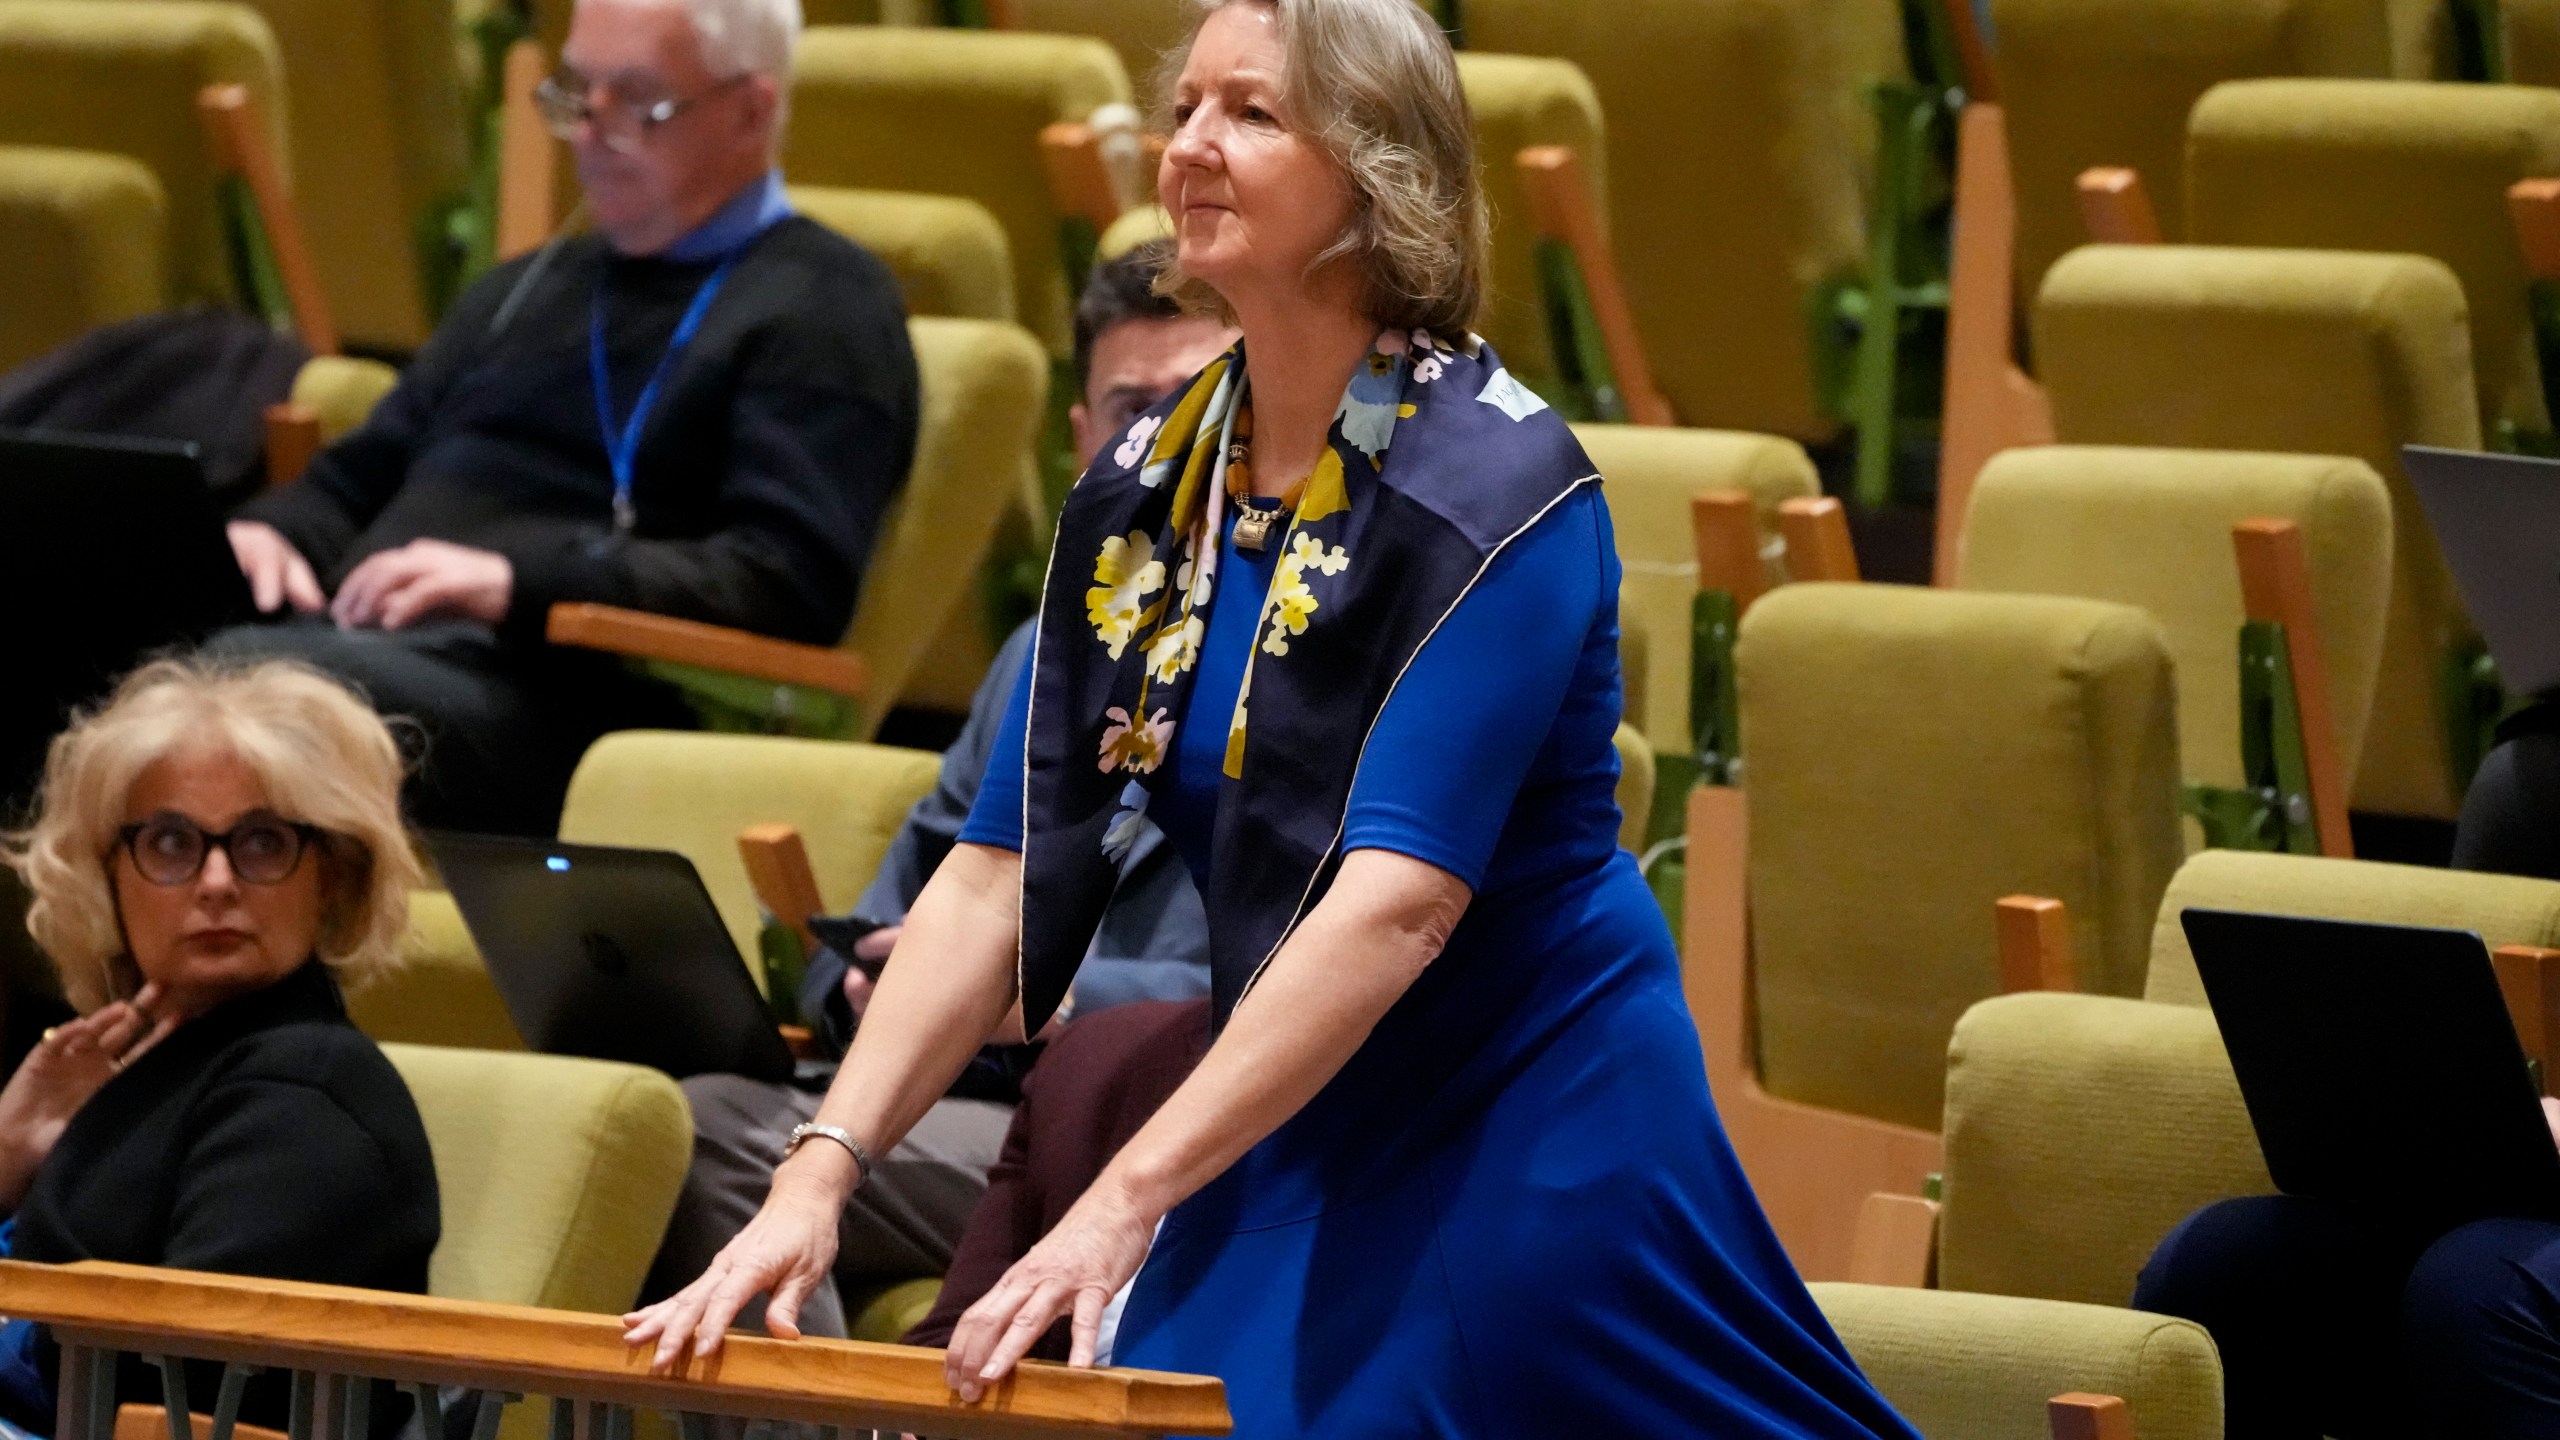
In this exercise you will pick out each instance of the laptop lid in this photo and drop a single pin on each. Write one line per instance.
(2380, 1067)
(613, 954)
(2497, 520)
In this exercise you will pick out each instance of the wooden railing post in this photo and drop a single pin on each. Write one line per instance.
(293, 437)
(2089, 1417)
(1818, 543)
(2115, 207)
(2035, 944)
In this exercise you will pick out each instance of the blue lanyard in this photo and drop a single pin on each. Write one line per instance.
(622, 443)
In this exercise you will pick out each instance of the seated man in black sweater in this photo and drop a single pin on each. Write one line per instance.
(700, 410)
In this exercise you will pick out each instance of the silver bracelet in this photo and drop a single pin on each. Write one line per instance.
(861, 1157)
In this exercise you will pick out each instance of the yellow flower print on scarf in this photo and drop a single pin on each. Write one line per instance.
(1293, 600)
(1129, 572)
(1138, 745)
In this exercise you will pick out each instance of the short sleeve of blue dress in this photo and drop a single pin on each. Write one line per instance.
(995, 817)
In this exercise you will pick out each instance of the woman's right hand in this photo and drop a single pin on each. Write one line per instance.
(70, 1064)
(784, 1252)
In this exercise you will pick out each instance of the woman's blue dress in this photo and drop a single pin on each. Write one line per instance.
(1513, 1213)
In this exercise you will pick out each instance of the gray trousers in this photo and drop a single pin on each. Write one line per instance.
(903, 1225)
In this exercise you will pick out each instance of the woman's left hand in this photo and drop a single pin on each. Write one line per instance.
(1074, 1271)
(73, 1062)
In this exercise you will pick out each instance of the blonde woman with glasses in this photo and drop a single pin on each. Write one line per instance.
(217, 852)
(1339, 617)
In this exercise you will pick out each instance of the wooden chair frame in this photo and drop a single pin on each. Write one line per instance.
(1081, 188)
(2115, 206)
(739, 681)
(1990, 404)
(1592, 324)
(270, 256)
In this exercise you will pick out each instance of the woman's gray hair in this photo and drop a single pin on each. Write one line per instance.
(321, 756)
(1373, 83)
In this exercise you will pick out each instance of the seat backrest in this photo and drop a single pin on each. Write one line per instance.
(557, 1174)
(121, 76)
(440, 993)
(2503, 909)
(949, 254)
(1142, 31)
(1911, 756)
(87, 236)
(953, 112)
(1520, 101)
(985, 390)
(2533, 40)
(2314, 352)
(2110, 82)
(1983, 1366)
(2417, 167)
(1650, 474)
(1745, 141)
(2152, 528)
(379, 143)
(692, 793)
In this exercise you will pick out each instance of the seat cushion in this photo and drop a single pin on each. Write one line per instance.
(2317, 352)
(87, 236)
(2152, 528)
(1981, 1367)
(557, 1175)
(2080, 1129)
(948, 253)
(1911, 756)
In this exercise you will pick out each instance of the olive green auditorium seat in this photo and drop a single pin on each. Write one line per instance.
(1142, 31)
(1982, 1367)
(2110, 82)
(557, 1175)
(121, 76)
(953, 112)
(2152, 528)
(2301, 351)
(2080, 1128)
(1909, 757)
(1744, 145)
(2414, 167)
(949, 254)
(1650, 474)
(1520, 101)
(87, 239)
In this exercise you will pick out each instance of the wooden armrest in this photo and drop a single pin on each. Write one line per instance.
(2116, 207)
(778, 870)
(1726, 532)
(1896, 1242)
(644, 636)
(2275, 584)
(2035, 944)
(2529, 978)
(1560, 199)
(293, 437)
(236, 135)
(1990, 405)
(2534, 206)
(2089, 1417)
(1818, 544)
(528, 172)
(798, 1039)
(1079, 180)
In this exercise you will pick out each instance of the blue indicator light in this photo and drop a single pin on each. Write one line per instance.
(558, 864)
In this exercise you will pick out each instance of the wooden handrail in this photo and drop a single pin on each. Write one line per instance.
(236, 135)
(528, 171)
(2035, 944)
(778, 870)
(1818, 544)
(1990, 403)
(2534, 206)
(1725, 528)
(2275, 584)
(2115, 206)
(644, 636)
(524, 1350)
(293, 437)
(1561, 203)
(1079, 179)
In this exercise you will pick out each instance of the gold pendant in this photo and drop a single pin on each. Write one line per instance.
(1253, 528)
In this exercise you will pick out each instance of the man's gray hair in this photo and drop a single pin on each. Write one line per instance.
(747, 37)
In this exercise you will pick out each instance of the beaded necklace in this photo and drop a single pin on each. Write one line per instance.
(1253, 524)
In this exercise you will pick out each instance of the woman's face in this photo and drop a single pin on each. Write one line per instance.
(1253, 199)
(208, 938)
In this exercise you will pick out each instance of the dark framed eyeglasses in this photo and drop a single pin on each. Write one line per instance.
(623, 125)
(264, 848)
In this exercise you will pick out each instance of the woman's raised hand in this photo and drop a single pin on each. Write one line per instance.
(68, 1065)
(1073, 1271)
(786, 1252)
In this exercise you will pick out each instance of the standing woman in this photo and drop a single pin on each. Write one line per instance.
(1341, 619)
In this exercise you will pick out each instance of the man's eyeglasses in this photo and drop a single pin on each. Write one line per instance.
(264, 848)
(623, 125)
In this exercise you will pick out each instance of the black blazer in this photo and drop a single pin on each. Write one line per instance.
(266, 1137)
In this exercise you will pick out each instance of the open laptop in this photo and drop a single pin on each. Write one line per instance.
(613, 954)
(114, 551)
(2497, 520)
(2380, 1067)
